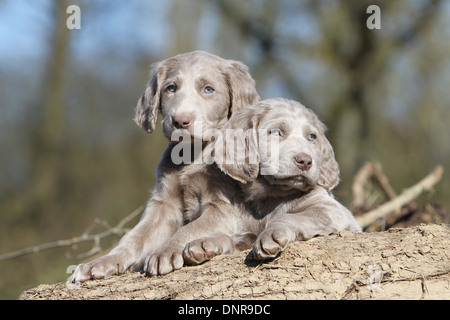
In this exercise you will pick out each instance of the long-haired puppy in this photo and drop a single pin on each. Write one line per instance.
(270, 185)
(193, 92)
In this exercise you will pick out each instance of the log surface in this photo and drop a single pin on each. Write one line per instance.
(406, 263)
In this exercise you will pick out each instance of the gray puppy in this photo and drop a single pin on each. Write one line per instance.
(193, 92)
(252, 200)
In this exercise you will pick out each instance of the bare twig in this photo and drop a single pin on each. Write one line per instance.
(405, 197)
(118, 230)
(370, 172)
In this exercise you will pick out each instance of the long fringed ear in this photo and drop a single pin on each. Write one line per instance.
(148, 105)
(236, 151)
(329, 170)
(241, 86)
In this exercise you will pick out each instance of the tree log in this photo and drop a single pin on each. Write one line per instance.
(409, 263)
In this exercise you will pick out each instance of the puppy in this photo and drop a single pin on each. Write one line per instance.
(265, 198)
(193, 92)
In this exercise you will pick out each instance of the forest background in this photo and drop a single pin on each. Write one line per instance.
(70, 153)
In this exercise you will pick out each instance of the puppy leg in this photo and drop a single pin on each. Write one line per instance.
(169, 257)
(271, 242)
(159, 222)
(203, 249)
(288, 227)
(317, 219)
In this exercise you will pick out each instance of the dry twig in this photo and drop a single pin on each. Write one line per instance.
(371, 171)
(405, 197)
(118, 230)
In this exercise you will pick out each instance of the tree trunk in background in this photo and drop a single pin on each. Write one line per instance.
(44, 181)
(185, 31)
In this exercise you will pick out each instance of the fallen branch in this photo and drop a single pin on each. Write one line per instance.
(371, 171)
(405, 197)
(410, 263)
(118, 230)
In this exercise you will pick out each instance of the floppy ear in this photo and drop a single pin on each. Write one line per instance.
(329, 170)
(236, 151)
(241, 86)
(148, 105)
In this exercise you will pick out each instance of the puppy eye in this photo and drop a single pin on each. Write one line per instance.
(312, 137)
(275, 132)
(208, 90)
(171, 88)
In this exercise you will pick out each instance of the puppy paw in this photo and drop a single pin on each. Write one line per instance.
(269, 244)
(100, 268)
(166, 259)
(203, 249)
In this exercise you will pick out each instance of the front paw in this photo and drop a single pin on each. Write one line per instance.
(164, 260)
(203, 249)
(269, 244)
(100, 268)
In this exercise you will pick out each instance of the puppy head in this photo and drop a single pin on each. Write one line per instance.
(284, 143)
(194, 91)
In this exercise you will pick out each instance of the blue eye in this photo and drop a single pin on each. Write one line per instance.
(171, 88)
(275, 132)
(312, 137)
(208, 90)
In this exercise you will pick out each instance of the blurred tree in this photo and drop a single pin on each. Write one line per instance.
(44, 182)
(382, 93)
(352, 63)
(185, 30)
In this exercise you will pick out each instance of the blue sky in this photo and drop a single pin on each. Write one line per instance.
(25, 26)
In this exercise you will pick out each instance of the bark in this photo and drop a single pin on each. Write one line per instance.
(409, 263)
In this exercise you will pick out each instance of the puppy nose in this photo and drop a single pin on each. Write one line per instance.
(182, 120)
(303, 161)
